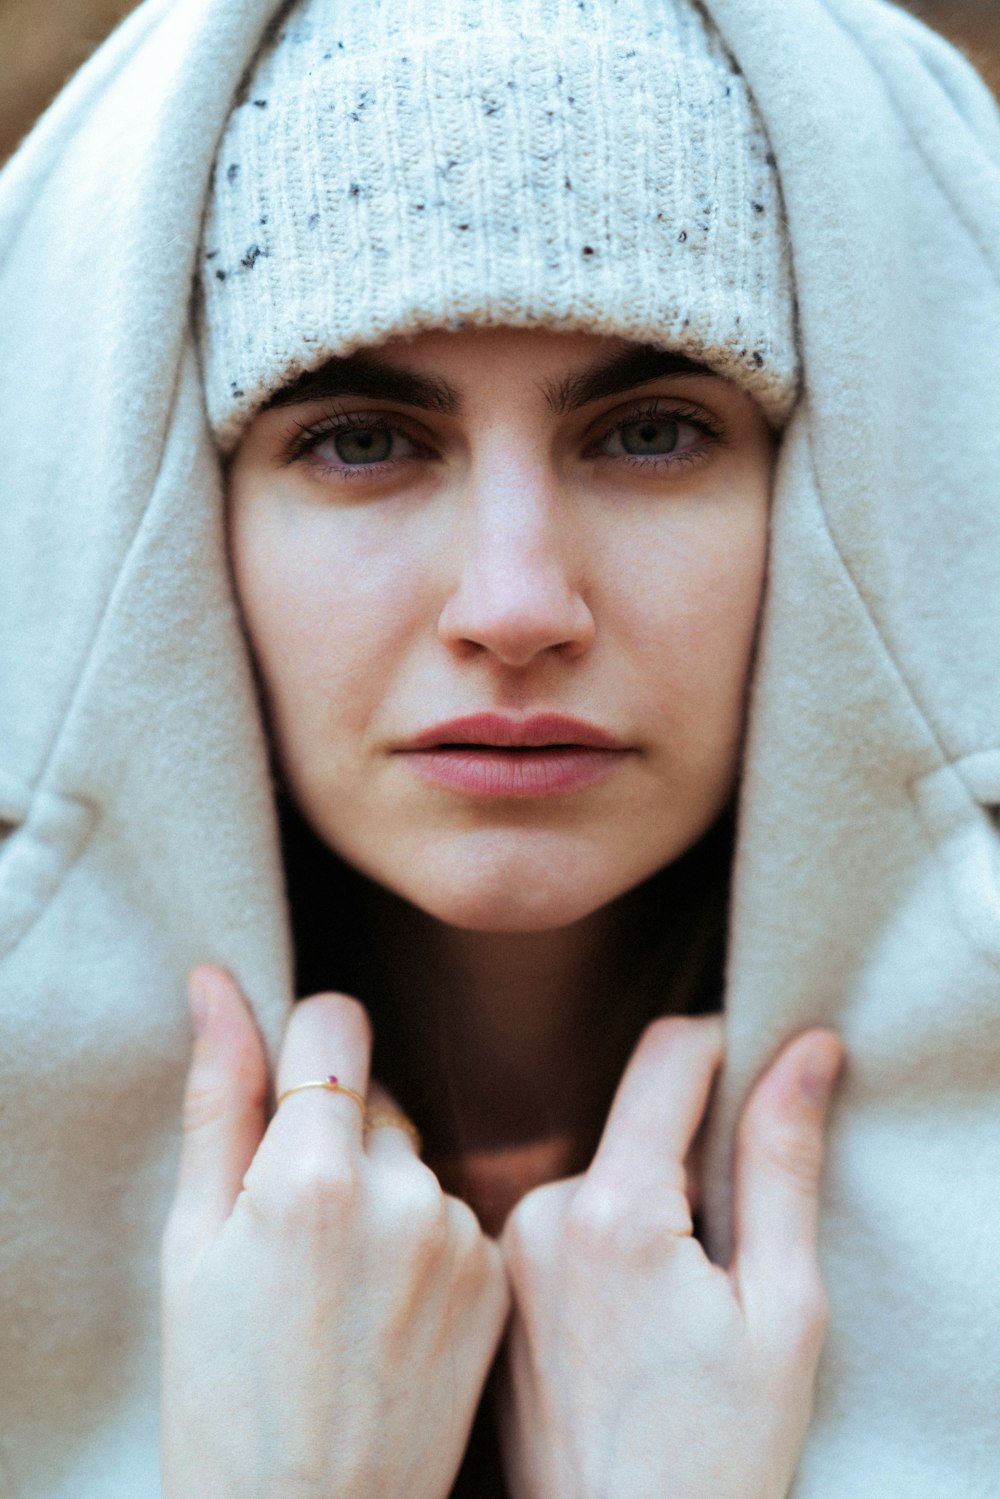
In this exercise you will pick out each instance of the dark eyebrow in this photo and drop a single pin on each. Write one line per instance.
(636, 366)
(363, 375)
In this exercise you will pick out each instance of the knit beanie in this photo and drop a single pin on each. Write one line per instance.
(392, 166)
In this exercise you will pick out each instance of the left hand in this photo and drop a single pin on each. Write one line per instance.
(635, 1366)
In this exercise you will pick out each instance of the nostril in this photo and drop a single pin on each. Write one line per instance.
(516, 612)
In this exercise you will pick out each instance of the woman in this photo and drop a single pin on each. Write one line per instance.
(384, 595)
(142, 845)
(501, 587)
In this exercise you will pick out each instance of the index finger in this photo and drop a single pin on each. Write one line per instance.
(660, 1103)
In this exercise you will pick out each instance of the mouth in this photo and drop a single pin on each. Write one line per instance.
(492, 755)
(497, 731)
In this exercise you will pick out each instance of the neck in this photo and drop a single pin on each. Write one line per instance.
(493, 1027)
(499, 1039)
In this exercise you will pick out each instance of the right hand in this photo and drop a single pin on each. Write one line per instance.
(329, 1314)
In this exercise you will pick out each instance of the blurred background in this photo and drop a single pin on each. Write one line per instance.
(43, 41)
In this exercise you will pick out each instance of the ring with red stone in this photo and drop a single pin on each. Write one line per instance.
(331, 1084)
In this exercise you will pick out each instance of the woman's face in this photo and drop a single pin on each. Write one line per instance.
(549, 538)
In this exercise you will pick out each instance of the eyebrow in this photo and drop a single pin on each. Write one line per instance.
(609, 377)
(366, 374)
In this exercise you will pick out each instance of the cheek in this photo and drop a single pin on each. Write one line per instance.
(698, 594)
(326, 602)
(702, 580)
(721, 605)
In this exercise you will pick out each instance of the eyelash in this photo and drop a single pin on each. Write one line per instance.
(303, 437)
(656, 410)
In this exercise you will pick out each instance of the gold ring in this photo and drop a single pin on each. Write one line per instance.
(330, 1084)
(392, 1119)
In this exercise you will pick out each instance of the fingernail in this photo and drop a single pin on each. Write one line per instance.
(819, 1074)
(199, 1002)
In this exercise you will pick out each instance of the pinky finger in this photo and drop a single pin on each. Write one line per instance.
(779, 1162)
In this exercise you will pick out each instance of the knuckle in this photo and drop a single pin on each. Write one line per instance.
(595, 1217)
(605, 1223)
(314, 1190)
(530, 1229)
(417, 1203)
(463, 1226)
(665, 1215)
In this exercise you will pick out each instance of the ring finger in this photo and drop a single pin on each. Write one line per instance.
(327, 1043)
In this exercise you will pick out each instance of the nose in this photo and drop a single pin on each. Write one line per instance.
(519, 574)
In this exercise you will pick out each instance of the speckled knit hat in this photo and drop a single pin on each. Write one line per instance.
(399, 165)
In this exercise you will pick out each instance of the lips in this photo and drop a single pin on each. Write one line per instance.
(489, 755)
(499, 732)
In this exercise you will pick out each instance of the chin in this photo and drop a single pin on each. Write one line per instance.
(520, 896)
(513, 880)
(489, 912)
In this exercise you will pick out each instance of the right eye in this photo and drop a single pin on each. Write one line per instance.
(353, 446)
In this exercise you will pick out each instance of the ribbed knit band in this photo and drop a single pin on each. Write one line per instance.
(400, 165)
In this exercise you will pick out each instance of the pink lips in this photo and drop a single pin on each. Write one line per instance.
(491, 755)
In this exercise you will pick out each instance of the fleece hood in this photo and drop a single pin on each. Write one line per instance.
(137, 827)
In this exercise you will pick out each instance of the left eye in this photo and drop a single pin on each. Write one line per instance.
(651, 437)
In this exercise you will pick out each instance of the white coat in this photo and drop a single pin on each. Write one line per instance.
(137, 829)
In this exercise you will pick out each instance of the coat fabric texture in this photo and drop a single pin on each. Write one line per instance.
(137, 827)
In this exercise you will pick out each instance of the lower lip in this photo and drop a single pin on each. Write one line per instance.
(488, 772)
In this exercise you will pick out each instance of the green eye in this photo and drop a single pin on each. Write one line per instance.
(649, 438)
(364, 445)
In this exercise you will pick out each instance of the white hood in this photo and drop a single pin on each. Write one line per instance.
(137, 832)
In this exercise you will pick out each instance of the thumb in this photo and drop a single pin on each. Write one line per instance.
(224, 1111)
(779, 1161)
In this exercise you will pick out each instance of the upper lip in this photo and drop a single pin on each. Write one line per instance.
(502, 732)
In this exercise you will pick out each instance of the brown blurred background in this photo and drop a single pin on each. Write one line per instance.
(43, 41)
